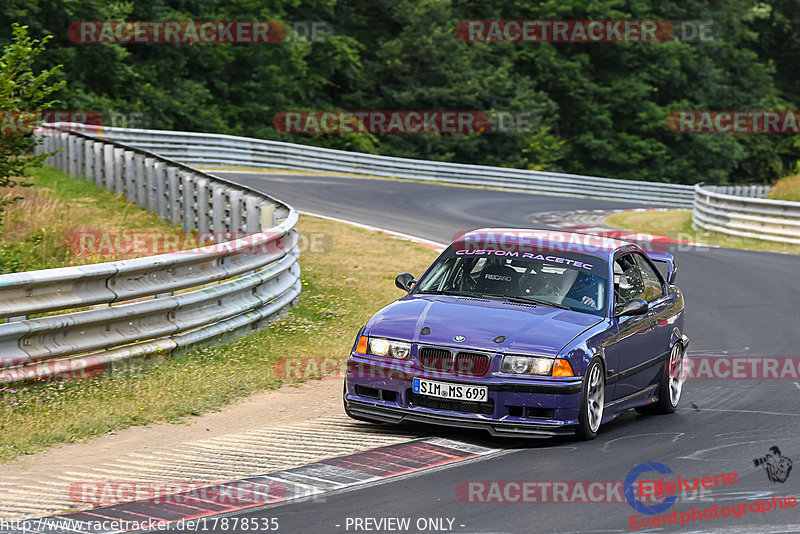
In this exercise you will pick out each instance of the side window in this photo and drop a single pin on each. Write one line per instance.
(652, 283)
(438, 276)
(628, 282)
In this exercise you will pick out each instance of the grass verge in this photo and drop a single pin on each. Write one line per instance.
(677, 224)
(786, 189)
(342, 288)
(37, 230)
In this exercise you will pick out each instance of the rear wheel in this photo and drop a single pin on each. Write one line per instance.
(592, 401)
(670, 386)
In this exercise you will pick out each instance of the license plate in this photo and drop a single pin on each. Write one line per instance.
(448, 390)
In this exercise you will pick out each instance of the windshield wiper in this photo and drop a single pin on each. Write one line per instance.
(539, 302)
(441, 292)
(521, 300)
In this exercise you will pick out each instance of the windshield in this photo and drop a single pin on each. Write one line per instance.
(548, 278)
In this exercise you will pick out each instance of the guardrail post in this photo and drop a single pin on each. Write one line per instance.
(219, 207)
(253, 214)
(63, 160)
(80, 151)
(235, 210)
(59, 146)
(45, 144)
(151, 204)
(174, 197)
(140, 181)
(189, 201)
(98, 164)
(267, 216)
(71, 152)
(160, 178)
(203, 215)
(88, 160)
(108, 167)
(49, 147)
(119, 162)
(130, 176)
(63, 155)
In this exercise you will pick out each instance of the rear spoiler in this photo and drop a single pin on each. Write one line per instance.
(666, 257)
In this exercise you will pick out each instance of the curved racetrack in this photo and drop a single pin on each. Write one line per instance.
(739, 303)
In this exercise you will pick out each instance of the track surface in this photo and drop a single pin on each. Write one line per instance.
(738, 303)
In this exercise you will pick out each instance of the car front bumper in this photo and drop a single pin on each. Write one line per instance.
(532, 407)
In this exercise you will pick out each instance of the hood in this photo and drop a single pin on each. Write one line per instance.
(527, 329)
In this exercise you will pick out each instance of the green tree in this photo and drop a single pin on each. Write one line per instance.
(597, 109)
(21, 91)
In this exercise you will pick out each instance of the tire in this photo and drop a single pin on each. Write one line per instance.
(592, 401)
(670, 385)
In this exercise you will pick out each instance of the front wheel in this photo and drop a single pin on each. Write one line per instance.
(670, 386)
(592, 401)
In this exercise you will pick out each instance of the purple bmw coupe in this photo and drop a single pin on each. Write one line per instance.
(524, 333)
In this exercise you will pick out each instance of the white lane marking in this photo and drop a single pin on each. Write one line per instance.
(676, 437)
(379, 481)
(223, 458)
(407, 237)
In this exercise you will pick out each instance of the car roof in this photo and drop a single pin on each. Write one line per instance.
(544, 239)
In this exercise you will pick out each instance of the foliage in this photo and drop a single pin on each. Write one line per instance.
(599, 109)
(21, 90)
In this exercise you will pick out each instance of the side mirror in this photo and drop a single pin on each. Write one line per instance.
(405, 281)
(633, 307)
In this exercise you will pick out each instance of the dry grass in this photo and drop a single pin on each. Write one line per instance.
(342, 287)
(786, 189)
(678, 225)
(43, 229)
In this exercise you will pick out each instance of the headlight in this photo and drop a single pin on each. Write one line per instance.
(385, 347)
(527, 365)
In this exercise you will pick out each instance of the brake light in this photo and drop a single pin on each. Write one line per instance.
(562, 368)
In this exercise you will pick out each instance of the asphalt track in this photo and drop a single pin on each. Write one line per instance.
(739, 303)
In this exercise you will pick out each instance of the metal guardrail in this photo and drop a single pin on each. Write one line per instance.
(203, 149)
(737, 211)
(742, 190)
(135, 311)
